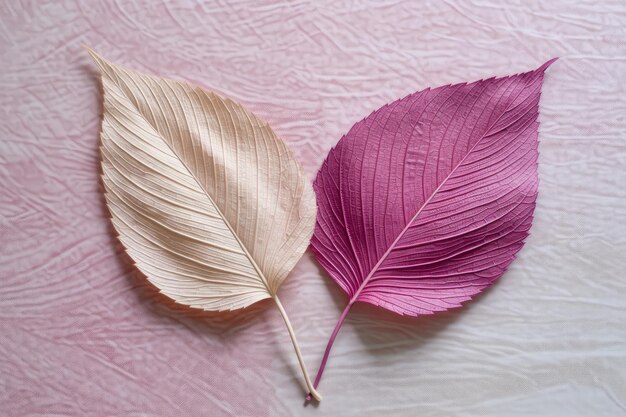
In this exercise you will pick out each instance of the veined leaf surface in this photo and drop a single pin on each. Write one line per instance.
(210, 204)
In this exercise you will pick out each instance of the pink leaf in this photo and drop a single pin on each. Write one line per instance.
(425, 202)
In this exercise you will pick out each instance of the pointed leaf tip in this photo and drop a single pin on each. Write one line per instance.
(547, 64)
(97, 59)
(91, 52)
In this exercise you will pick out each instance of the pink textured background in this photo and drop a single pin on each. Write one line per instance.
(82, 334)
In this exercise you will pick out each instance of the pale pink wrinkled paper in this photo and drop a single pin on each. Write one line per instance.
(80, 334)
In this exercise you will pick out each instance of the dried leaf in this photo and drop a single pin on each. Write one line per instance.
(425, 202)
(207, 200)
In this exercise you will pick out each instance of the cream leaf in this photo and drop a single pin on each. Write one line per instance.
(207, 200)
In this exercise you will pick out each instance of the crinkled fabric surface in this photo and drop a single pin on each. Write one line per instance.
(82, 333)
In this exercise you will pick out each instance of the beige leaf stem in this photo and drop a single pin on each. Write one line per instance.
(210, 204)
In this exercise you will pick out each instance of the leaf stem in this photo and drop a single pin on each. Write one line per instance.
(342, 318)
(292, 334)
